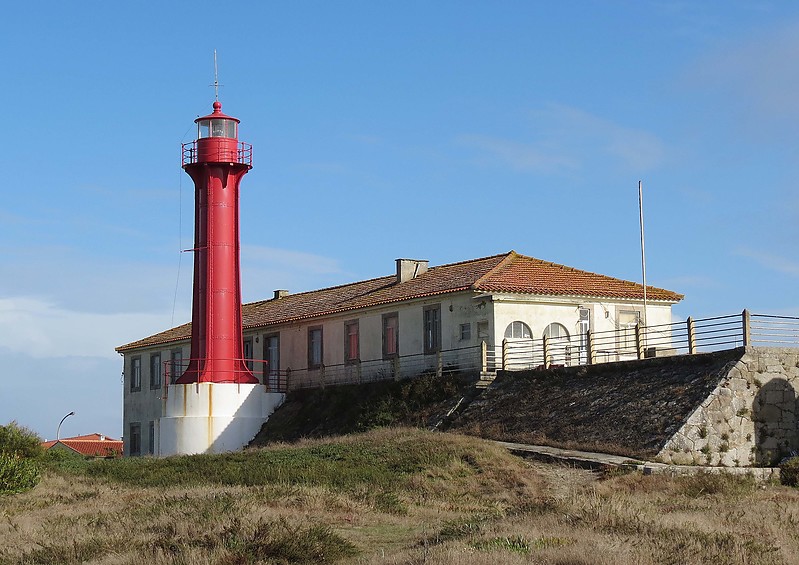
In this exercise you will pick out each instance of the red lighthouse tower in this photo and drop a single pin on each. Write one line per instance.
(216, 162)
(217, 405)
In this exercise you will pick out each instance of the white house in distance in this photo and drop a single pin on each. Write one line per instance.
(400, 324)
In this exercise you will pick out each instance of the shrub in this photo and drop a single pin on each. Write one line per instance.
(17, 474)
(720, 484)
(789, 472)
(58, 459)
(20, 441)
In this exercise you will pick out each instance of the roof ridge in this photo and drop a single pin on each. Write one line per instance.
(334, 287)
(508, 257)
(344, 285)
(570, 268)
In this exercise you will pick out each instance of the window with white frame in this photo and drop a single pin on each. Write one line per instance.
(556, 331)
(518, 330)
(626, 320)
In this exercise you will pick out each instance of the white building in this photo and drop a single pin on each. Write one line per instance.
(408, 322)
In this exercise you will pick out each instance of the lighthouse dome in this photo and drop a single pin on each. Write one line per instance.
(217, 124)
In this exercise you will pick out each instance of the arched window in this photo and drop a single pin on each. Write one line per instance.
(518, 330)
(556, 330)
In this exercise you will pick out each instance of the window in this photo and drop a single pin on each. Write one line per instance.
(216, 128)
(556, 331)
(248, 352)
(175, 365)
(351, 345)
(626, 320)
(432, 328)
(390, 335)
(272, 357)
(584, 326)
(518, 330)
(151, 438)
(155, 370)
(135, 374)
(482, 330)
(314, 347)
(560, 350)
(466, 332)
(134, 443)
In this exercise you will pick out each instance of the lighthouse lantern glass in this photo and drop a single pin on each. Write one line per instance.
(216, 128)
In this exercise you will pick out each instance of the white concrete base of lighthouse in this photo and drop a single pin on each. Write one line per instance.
(213, 417)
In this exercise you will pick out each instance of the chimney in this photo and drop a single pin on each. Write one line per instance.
(408, 269)
(280, 294)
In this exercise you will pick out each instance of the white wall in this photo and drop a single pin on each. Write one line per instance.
(144, 406)
(539, 312)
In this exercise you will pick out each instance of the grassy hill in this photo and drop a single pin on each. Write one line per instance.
(395, 496)
(313, 413)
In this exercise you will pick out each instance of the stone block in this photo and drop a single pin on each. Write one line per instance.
(681, 458)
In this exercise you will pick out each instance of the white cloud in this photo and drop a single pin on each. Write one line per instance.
(38, 392)
(265, 269)
(40, 329)
(566, 137)
(288, 260)
(76, 281)
(520, 156)
(770, 261)
(755, 79)
(689, 281)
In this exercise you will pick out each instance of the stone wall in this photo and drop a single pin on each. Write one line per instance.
(750, 418)
(730, 408)
(630, 408)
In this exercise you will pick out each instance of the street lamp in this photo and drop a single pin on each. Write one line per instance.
(58, 431)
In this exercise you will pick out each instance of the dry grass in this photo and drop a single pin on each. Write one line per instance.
(437, 498)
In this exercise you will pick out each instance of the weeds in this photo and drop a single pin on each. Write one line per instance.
(391, 496)
(268, 540)
(789, 472)
(709, 484)
(518, 544)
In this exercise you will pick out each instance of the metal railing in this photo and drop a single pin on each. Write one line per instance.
(774, 331)
(188, 154)
(259, 368)
(474, 359)
(640, 342)
(622, 344)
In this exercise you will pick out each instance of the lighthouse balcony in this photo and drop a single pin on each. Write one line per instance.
(230, 151)
(236, 371)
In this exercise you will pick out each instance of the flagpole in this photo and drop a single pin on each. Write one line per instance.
(643, 253)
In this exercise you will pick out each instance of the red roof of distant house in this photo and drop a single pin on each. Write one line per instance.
(91, 445)
(508, 272)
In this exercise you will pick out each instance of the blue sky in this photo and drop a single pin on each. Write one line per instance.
(436, 130)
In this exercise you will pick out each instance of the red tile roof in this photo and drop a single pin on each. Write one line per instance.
(508, 273)
(91, 445)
